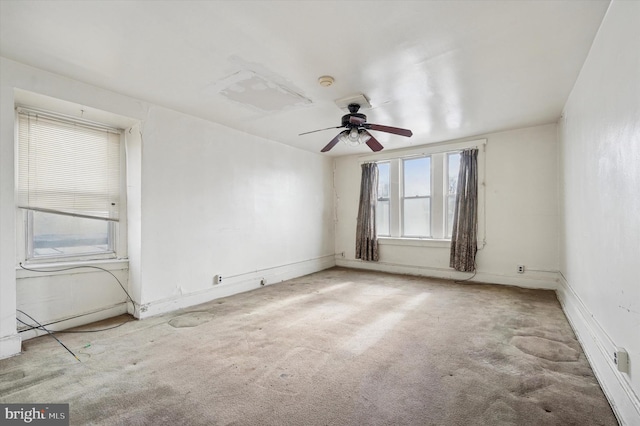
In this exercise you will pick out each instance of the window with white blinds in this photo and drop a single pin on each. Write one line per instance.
(68, 167)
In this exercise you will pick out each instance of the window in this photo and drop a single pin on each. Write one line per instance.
(417, 193)
(69, 186)
(453, 167)
(416, 197)
(382, 208)
(56, 235)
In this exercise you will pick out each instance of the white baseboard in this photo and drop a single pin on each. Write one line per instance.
(78, 320)
(10, 346)
(598, 347)
(237, 284)
(531, 279)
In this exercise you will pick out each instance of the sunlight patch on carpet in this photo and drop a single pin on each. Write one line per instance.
(373, 332)
(278, 305)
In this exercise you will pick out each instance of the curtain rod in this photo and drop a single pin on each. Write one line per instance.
(436, 148)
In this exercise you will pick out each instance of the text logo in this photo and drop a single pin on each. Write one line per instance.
(35, 414)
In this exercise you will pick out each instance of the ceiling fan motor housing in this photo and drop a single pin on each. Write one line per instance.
(345, 119)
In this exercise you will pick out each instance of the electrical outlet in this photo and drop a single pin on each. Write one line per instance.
(521, 269)
(217, 279)
(621, 359)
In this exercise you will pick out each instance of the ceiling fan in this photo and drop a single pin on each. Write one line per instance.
(357, 131)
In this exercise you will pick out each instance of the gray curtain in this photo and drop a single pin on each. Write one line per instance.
(366, 239)
(465, 217)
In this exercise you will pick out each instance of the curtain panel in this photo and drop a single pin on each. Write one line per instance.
(366, 239)
(465, 217)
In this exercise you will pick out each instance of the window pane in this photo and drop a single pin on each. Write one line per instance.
(383, 180)
(417, 177)
(454, 167)
(451, 203)
(382, 218)
(416, 217)
(58, 235)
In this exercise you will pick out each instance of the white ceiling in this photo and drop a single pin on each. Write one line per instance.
(444, 69)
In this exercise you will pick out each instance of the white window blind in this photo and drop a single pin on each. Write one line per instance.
(68, 167)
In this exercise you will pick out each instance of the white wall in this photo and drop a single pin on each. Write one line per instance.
(521, 215)
(600, 193)
(202, 200)
(218, 201)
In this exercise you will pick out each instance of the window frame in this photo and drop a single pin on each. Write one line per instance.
(438, 194)
(117, 232)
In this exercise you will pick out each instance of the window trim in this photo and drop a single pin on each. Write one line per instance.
(429, 150)
(119, 230)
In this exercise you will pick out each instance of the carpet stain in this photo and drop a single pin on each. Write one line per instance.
(11, 376)
(166, 405)
(93, 349)
(23, 381)
(545, 348)
(191, 319)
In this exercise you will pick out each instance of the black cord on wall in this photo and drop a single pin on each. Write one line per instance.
(83, 267)
(42, 327)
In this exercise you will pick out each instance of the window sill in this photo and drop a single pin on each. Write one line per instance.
(49, 268)
(414, 242)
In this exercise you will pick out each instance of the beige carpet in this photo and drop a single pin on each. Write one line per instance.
(339, 347)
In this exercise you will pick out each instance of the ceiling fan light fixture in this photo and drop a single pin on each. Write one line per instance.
(355, 137)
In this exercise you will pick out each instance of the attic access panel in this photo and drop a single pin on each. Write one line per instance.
(249, 88)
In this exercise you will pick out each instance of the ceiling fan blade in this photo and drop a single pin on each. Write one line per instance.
(334, 141)
(389, 129)
(373, 143)
(320, 130)
(356, 120)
